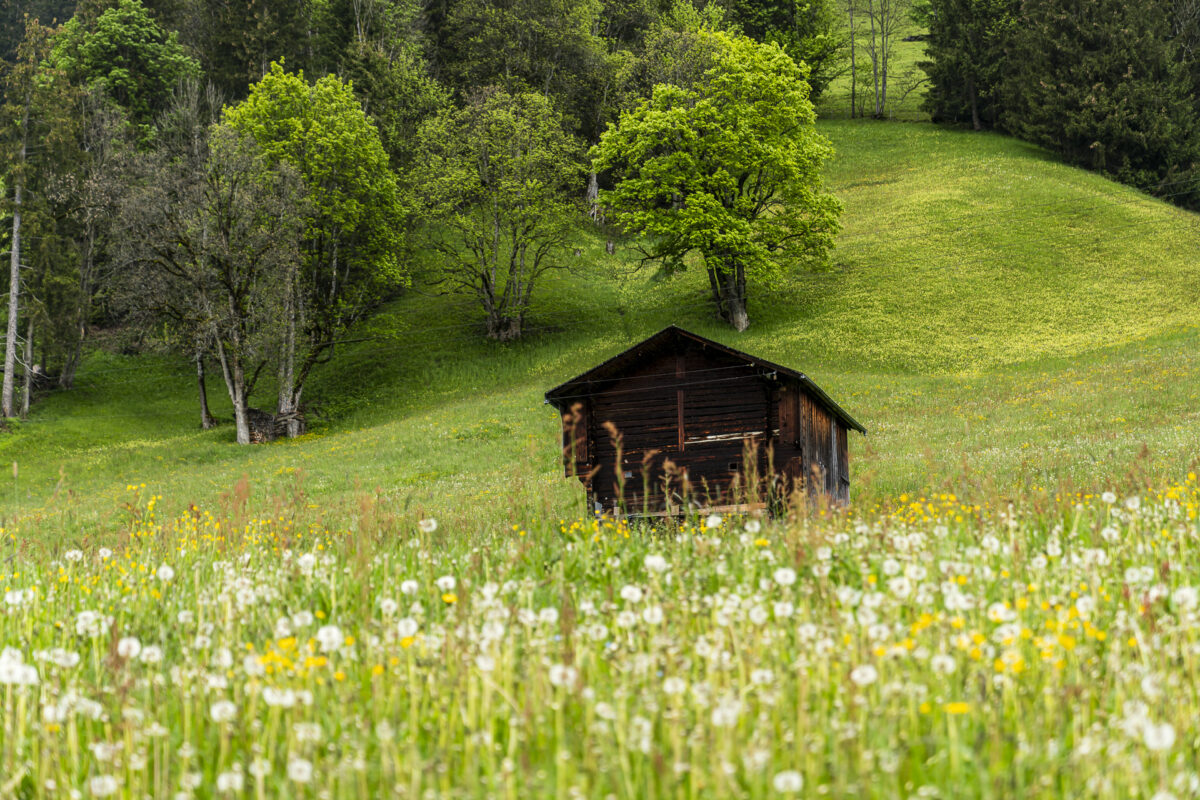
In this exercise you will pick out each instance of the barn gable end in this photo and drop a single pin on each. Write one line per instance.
(680, 407)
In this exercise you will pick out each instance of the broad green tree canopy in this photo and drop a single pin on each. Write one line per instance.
(353, 219)
(729, 169)
(355, 214)
(498, 182)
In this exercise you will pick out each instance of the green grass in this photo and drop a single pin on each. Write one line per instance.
(993, 317)
(957, 648)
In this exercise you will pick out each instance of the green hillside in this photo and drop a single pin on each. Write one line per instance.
(993, 317)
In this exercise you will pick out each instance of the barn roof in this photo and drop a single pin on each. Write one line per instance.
(580, 384)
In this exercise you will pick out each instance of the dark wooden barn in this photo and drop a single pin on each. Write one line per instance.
(688, 412)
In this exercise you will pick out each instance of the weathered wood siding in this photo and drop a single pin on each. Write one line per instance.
(698, 410)
(680, 421)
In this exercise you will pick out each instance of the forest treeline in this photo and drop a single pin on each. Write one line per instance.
(1110, 85)
(244, 182)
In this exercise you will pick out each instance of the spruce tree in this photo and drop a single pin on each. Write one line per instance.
(1102, 83)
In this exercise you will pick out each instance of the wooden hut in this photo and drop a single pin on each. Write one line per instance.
(686, 412)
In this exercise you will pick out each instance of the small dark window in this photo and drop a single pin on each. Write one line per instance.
(733, 466)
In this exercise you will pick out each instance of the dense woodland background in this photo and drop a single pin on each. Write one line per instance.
(243, 184)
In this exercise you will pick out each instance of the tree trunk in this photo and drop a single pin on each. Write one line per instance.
(885, 49)
(235, 382)
(14, 283)
(874, 51)
(83, 311)
(289, 393)
(729, 293)
(593, 198)
(853, 73)
(735, 301)
(503, 328)
(28, 370)
(975, 121)
(207, 422)
(240, 419)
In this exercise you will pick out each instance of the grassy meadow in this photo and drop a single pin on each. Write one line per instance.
(408, 601)
(992, 318)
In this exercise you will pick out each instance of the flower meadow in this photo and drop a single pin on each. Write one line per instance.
(937, 648)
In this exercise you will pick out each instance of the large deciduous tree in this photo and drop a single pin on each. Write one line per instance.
(354, 221)
(729, 170)
(211, 239)
(497, 183)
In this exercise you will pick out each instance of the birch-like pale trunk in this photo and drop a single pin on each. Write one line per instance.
(206, 418)
(875, 54)
(289, 392)
(14, 282)
(28, 370)
(235, 382)
(853, 64)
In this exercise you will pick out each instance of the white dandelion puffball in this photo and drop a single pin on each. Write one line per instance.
(102, 786)
(656, 563)
(407, 627)
(753, 526)
(785, 576)
(165, 573)
(653, 615)
(1159, 737)
(222, 711)
(230, 782)
(631, 594)
(299, 770)
(388, 606)
(562, 675)
(279, 698)
(788, 782)
(1185, 598)
(713, 521)
(864, 675)
(73, 555)
(1109, 497)
(427, 525)
(943, 664)
(129, 647)
(409, 587)
(446, 583)
(330, 637)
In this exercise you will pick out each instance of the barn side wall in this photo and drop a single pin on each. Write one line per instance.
(821, 456)
(694, 414)
(693, 410)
